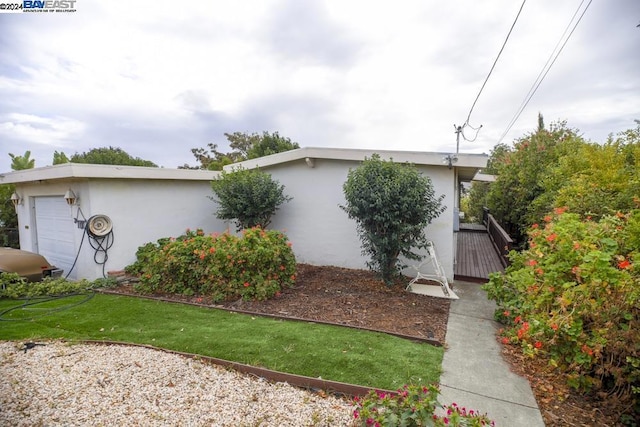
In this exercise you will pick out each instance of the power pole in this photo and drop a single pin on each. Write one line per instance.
(457, 132)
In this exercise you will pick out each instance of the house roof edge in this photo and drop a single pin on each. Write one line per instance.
(83, 170)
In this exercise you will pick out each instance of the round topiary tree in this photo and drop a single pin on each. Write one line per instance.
(248, 196)
(392, 204)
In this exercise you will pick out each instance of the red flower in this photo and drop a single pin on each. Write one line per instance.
(505, 340)
(551, 237)
(624, 264)
(560, 211)
(535, 226)
(518, 319)
(554, 326)
(246, 284)
(532, 262)
(506, 313)
(576, 245)
(547, 218)
(585, 349)
(538, 344)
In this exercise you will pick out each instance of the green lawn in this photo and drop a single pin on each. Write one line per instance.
(331, 352)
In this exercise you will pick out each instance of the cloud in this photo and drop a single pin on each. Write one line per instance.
(32, 129)
(161, 79)
(304, 32)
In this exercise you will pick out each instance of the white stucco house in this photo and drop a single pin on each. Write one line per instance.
(145, 204)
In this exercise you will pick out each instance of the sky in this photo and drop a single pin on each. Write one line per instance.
(160, 78)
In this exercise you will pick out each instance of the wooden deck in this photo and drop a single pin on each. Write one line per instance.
(476, 256)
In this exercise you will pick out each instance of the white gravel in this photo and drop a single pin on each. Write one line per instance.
(99, 385)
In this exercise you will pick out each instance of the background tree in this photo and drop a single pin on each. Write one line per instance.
(250, 197)
(270, 144)
(243, 147)
(59, 158)
(210, 159)
(8, 218)
(110, 156)
(476, 198)
(8, 215)
(241, 143)
(601, 180)
(557, 168)
(22, 162)
(392, 204)
(526, 186)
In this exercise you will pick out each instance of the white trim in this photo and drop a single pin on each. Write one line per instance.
(353, 154)
(483, 177)
(82, 170)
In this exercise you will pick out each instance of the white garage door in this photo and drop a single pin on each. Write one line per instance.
(55, 232)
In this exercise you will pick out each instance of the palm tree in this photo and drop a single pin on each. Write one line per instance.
(22, 162)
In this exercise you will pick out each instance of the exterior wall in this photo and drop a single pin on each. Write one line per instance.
(141, 211)
(321, 232)
(146, 204)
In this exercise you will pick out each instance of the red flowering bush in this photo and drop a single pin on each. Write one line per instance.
(572, 297)
(256, 265)
(413, 405)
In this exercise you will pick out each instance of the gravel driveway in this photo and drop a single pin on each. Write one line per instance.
(85, 385)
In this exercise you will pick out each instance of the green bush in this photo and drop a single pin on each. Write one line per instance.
(412, 405)
(248, 196)
(256, 265)
(392, 204)
(572, 297)
(14, 286)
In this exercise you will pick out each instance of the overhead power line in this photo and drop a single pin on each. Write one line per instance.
(495, 62)
(547, 66)
(459, 130)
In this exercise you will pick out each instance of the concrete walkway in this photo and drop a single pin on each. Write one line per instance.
(474, 374)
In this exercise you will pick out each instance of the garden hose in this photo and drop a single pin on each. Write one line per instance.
(32, 301)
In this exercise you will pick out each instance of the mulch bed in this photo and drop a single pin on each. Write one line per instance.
(356, 298)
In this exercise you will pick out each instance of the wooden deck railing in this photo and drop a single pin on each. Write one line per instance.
(500, 239)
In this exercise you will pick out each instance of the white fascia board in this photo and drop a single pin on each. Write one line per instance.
(81, 170)
(353, 154)
(484, 177)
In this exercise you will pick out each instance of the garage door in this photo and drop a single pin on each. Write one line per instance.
(55, 232)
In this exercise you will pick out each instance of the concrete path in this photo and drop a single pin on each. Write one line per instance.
(474, 374)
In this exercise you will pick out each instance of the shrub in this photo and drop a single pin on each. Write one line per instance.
(248, 196)
(412, 405)
(256, 265)
(392, 204)
(573, 295)
(14, 286)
